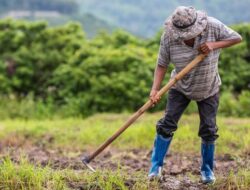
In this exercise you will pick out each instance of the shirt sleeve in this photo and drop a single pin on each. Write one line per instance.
(226, 33)
(163, 55)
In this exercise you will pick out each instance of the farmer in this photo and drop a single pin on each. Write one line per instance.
(187, 33)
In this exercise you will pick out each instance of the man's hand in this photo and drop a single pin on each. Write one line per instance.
(206, 47)
(153, 96)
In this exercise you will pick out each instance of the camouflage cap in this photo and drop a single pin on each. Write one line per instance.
(186, 23)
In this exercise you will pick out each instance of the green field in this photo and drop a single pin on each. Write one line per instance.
(45, 154)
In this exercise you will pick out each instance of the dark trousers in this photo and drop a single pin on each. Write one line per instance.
(177, 103)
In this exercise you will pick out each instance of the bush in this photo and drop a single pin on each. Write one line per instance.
(109, 73)
(244, 104)
(228, 104)
(232, 105)
(26, 108)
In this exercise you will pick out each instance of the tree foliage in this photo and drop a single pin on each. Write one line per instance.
(108, 73)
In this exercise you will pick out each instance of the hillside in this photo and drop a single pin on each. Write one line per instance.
(62, 6)
(56, 12)
(142, 17)
(145, 17)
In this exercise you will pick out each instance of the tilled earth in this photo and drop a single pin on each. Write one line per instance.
(181, 171)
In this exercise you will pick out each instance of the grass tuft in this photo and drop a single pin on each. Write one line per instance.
(234, 181)
(24, 176)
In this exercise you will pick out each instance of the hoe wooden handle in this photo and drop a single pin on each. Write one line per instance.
(146, 106)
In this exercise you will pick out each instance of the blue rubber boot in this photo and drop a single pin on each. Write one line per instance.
(207, 153)
(160, 149)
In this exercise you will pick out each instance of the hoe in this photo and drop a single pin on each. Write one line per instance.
(136, 115)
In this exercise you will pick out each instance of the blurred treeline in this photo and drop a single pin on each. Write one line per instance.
(55, 12)
(140, 17)
(47, 72)
(144, 17)
(62, 6)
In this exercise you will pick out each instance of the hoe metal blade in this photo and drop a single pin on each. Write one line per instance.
(85, 161)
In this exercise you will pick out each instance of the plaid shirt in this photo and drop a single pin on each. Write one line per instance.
(204, 80)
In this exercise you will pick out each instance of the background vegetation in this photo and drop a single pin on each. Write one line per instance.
(47, 70)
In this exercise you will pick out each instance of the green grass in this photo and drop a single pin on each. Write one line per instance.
(239, 181)
(25, 176)
(77, 134)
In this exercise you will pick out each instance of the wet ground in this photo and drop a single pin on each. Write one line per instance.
(181, 171)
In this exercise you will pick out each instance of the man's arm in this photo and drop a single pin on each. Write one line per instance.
(158, 78)
(210, 46)
(160, 69)
(225, 37)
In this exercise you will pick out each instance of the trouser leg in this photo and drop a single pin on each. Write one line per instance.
(207, 112)
(176, 104)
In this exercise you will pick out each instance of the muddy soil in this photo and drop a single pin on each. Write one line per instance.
(181, 171)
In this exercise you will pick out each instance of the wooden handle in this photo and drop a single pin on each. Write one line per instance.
(181, 74)
(146, 106)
